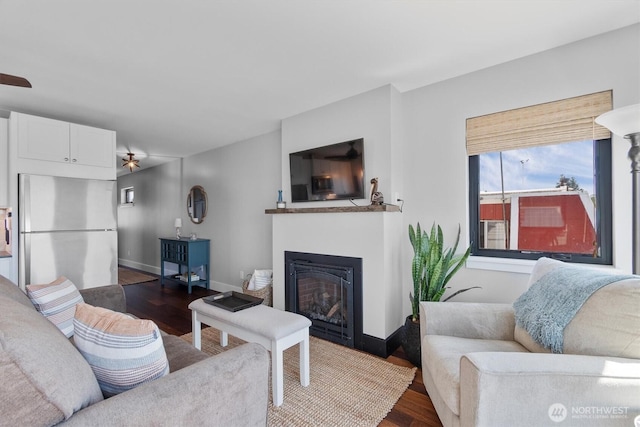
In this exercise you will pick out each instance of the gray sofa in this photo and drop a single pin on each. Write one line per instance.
(481, 369)
(46, 381)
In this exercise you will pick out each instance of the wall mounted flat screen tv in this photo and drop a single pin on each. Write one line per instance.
(332, 172)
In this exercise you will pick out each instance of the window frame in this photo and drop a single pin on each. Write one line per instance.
(604, 211)
(124, 195)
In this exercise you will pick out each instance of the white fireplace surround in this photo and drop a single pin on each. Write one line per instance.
(373, 236)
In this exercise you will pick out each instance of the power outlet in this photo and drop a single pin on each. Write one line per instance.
(241, 274)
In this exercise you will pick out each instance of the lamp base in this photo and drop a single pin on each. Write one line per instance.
(634, 156)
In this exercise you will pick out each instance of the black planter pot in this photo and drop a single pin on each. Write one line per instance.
(411, 341)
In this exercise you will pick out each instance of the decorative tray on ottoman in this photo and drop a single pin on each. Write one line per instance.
(233, 301)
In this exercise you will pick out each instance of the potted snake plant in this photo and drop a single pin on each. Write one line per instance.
(431, 269)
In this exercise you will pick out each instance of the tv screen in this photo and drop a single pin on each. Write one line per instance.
(332, 172)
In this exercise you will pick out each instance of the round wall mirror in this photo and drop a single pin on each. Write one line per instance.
(197, 204)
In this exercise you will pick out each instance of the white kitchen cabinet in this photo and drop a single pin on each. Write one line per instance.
(43, 139)
(92, 146)
(51, 140)
(4, 163)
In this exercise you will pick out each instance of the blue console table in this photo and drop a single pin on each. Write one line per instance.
(185, 253)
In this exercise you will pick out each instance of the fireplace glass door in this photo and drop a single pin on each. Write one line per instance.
(324, 294)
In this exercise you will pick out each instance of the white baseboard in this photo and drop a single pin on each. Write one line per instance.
(139, 266)
(224, 287)
(216, 286)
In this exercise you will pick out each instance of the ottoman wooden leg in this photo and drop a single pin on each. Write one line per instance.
(277, 376)
(195, 328)
(304, 359)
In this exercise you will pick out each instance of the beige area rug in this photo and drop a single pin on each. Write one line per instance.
(348, 387)
(131, 277)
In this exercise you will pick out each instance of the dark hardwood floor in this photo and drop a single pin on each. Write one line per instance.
(167, 307)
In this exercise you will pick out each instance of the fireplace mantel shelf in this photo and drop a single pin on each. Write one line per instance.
(336, 209)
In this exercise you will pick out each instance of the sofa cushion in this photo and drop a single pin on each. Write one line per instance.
(441, 357)
(57, 302)
(107, 296)
(524, 339)
(44, 378)
(607, 324)
(123, 352)
(180, 353)
(11, 290)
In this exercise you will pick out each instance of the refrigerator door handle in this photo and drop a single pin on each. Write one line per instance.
(25, 264)
(68, 231)
(25, 204)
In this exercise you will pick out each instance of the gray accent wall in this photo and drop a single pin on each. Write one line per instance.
(241, 181)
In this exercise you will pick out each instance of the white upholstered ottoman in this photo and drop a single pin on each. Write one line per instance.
(275, 330)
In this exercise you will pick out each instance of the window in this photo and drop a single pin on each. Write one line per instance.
(492, 234)
(553, 198)
(127, 196)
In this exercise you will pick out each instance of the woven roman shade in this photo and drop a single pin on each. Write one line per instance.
(567, 120)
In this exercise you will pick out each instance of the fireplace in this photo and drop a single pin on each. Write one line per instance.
(327, 289)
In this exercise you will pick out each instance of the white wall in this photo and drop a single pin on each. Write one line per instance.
(241, 181)
(435, 165)
(369, 116)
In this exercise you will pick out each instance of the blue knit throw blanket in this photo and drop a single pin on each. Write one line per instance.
(552, 302)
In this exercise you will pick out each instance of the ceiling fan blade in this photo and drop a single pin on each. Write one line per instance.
(8, 79)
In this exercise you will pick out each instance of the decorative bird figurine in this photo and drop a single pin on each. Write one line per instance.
(376, 197)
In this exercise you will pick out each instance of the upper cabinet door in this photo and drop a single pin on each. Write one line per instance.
(43, 139)
(92, 146)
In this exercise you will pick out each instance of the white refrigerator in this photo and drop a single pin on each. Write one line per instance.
(67, 227)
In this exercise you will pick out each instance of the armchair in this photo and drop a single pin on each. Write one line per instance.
(480, 369)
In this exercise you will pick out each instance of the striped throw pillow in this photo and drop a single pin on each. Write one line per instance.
(57, 302)
(123, 352)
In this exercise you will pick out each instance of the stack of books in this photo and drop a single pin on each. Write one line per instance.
(185, 277)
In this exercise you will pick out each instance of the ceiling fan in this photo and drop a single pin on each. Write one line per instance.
(8, 79)
(130, 162)
(351, 154)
